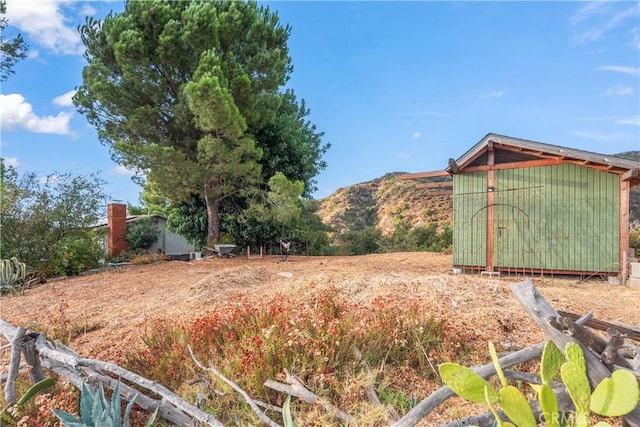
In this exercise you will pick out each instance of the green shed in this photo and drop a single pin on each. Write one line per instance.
(531, 207)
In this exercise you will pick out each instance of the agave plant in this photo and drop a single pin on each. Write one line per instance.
(97, 411)
(13, 273)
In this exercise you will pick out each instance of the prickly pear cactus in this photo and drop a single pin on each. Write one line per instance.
(616, 395)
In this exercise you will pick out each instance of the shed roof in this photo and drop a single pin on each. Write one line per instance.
(513, 150)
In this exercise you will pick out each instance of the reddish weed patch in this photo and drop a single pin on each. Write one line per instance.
(316, 338)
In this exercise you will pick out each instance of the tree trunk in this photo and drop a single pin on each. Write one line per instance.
(213, 229)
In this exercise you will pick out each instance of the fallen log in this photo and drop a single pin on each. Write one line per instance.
(423, 408)
(432, 401)
(596, 343)
(16, 350)
(631, 332)
(542, 313)
(79, 370)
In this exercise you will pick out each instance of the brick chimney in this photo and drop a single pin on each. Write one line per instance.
(117, 220)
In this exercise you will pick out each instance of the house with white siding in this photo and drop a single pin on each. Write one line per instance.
(172, 244)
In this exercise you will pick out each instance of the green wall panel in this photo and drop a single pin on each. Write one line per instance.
(563, 217)
(470, 219)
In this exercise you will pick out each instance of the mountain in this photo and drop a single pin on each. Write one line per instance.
(383, 201)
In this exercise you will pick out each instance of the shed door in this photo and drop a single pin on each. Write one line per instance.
(512, 237)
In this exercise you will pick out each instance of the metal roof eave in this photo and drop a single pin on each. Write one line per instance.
(543, 148)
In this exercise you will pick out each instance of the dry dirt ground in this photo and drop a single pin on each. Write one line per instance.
(122, 300)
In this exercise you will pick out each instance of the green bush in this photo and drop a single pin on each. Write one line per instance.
(366, 241)
(73, 255)
(634, 240)
(142, 234)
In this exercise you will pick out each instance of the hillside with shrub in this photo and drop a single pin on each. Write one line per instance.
(384, 202)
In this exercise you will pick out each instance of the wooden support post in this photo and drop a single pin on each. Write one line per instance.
(255, 256)
(490, 201)
(624, 230)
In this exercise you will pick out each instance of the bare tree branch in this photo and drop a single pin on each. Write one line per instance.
(297, 389)
(233, 385)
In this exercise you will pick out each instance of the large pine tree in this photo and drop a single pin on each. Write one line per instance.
(174, 88)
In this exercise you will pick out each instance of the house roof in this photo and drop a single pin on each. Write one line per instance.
(515, 150)
(103, 222)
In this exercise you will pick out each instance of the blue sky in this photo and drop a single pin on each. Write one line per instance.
(395, 86)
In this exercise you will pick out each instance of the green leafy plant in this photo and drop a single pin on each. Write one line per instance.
(142, 234)
(74, 254)
(287, 418)
(634, 239)
(614, 396)
(35, 389)
(13, 274)
(96, 410)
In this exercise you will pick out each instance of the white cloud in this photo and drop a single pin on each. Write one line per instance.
(635, 33)
(12, 161)
(65, 100)
(121, 170)
(16, 113)
(635, 121)
(598, 18)
(45, 23)
(596, 118)
(619, 91)
(620, 69)
(415, 135)
(424, 114)
(604, 137)
(87, 10)
(404, 156)
(591, 8)
(619, 120)
(493, 94)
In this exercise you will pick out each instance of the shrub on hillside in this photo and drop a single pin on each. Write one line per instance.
(75, 254)
(365, 241)
(147, 258)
